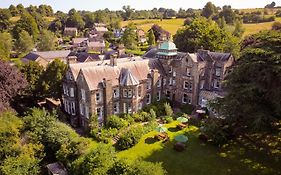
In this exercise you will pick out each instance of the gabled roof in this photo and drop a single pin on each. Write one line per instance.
(48, 55)
(94, 44)
(78, 40)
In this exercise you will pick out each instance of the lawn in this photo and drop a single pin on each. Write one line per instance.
(199, 158)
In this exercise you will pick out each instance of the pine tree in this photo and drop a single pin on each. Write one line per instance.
(151, 38)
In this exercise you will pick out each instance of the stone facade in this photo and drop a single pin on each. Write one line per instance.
(125, 85)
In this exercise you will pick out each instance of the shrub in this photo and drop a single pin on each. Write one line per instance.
(104, 135)
(153, 115)
(116, 122)
(130, 138)
(168, 109)
(168, 119)
(127, 117)
(145, 116)
(276, 26)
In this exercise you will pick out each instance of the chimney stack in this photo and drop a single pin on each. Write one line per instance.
(113, 60)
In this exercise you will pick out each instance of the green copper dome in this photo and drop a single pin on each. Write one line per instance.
(167, 48)
(168, 45)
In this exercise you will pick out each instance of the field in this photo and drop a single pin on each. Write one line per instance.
(172, 25)
(200, 158)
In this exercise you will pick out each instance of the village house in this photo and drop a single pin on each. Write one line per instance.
(95, 46)
(43, 58)
(141, 35)
(70, 31)
(97, 31)
(125, 85)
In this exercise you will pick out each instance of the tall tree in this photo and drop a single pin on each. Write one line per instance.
(203, 33)
(12, 83)
(27, 23)
(239, 30)
(151, 38)
(129, 38)
(25, 42)
(52, 79)
(5, 45)
(75, 20)
(254, 81)
(209, 10)
(47, 41)
(13, 10)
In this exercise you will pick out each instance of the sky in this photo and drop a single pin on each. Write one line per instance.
(92, 5)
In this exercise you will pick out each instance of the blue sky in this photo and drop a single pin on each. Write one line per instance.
(66, 5)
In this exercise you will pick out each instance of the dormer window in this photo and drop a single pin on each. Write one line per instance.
(188, 72)
(170, 69)
(130, 93)
(218, 72)
(98, 97)
(159, 83)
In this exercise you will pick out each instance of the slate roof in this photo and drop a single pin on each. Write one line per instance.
(83, 56)
(48, 55)
(57, 168)
(127, 78)
(94, 44)
(78, 40)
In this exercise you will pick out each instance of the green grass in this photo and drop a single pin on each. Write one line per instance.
(199, 158)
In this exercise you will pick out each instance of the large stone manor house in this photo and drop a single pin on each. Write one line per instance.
(125, 85)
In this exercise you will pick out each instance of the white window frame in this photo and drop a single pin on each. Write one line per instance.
(72, 107)
(159, 83)
(98, 97)
(81, 106)
(185, 85)
(169, 97)
(100, 113)
(116, 108)
(148, 85)
(83, 94)
(125, 107)
(130, 93)
(188, 71)
(115, 93)
(170, 81)
(64, 89)
(125, 93)
(202, 82)
(164, 81)
(72, 92)
(174, 82)
(148, 98)
(218, 72)
(185, 100)
(174, 74)
(130, 108)
(158, 95)
(170, 69)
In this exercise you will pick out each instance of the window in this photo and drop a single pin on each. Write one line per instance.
(116, 108)
(170, 69)
(99, 113)
(216, 84)
(174, 82)
(64, 89)
(188, 71)
(218, 72)
(81, 109)
(170, 81)
(125, 93)
(98, 97)
(168, 94)
(148, 86)
(115, 93)
(139, 91)
(174, 74)
(159, 83)
(130, 93)
(130, 108)
(158, 95)
(186, 99)
(185, 85)
(69, 76)
(83, 94)
(71, 92)
(125, 107)
(190, 86)
(202, 84)
(164, 81)
(148, 99)
(87, 112)
(140, 105)
(72, 108)
(66, 106)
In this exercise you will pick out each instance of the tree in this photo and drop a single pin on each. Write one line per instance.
(52, 79)
(25, 43)
(33, 71)
(129, 38)
(27, 23)
(209, 10)
(12, 83)
(47, 41)
(239, 30)
(5, 45)
(13, 10)
(228, 14)
(75, 20)
(203, 33)
(254, 81)
(187, 21)
(151, 38)
(128, 12)
(5, 16)
(222, 23)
